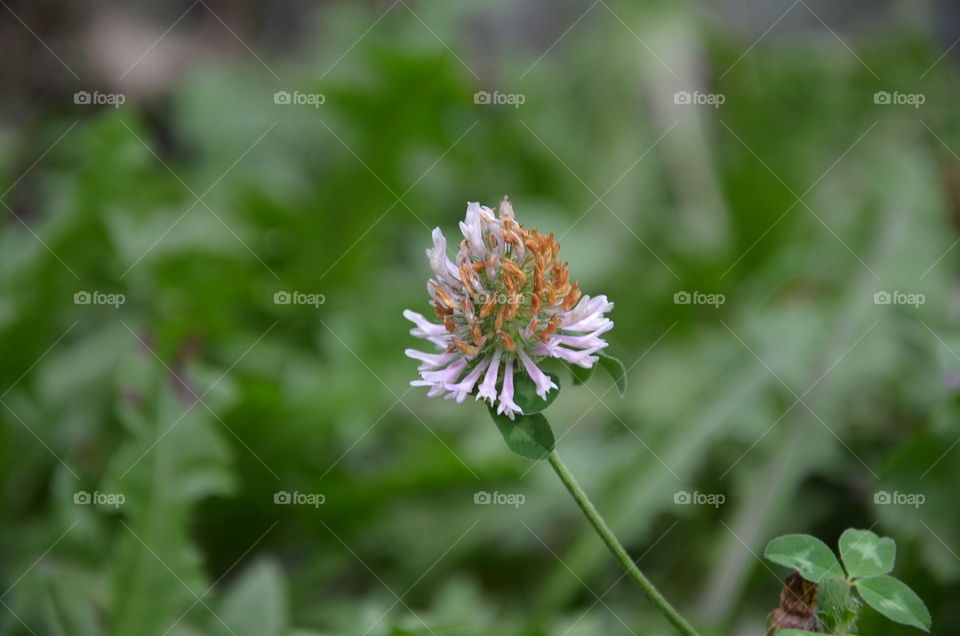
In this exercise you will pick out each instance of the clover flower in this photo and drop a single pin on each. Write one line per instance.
(505, 305)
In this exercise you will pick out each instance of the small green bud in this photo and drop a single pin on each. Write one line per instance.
(839, 608)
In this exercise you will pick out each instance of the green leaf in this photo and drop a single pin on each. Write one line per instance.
(866, 554)
(71, 609)
(255, 605)
(809, 555)
(172, 458)
(525, 393)
(895, 600)
(527, 435)
(615, 368)
(796, 632)
(580, 375)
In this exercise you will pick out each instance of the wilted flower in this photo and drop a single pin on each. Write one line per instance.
(506, 304)
(798, 607)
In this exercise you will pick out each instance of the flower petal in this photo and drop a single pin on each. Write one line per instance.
(587, 315)
(472, 230)
(440, 263)
(430, 360)
(507, 405)
(488, 388)
(437, 334)
(542, 380)
(463, 388)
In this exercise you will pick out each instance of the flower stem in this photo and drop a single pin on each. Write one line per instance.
(618, 550)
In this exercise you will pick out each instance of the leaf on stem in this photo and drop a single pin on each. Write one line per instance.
(525, 394)
(806, 554)
(615, 368)
(580, 375)
(528, 435)
(866, 554)
(895, 600)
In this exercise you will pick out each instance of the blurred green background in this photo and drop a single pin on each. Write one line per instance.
(147, 445)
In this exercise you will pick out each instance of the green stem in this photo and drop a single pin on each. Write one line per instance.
(618, 550)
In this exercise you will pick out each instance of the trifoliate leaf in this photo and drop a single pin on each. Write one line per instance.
(866, 554)
(528, 435)
(615, 368)
(809, 555)
(895, 600)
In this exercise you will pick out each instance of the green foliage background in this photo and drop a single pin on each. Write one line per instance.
(799, 398)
